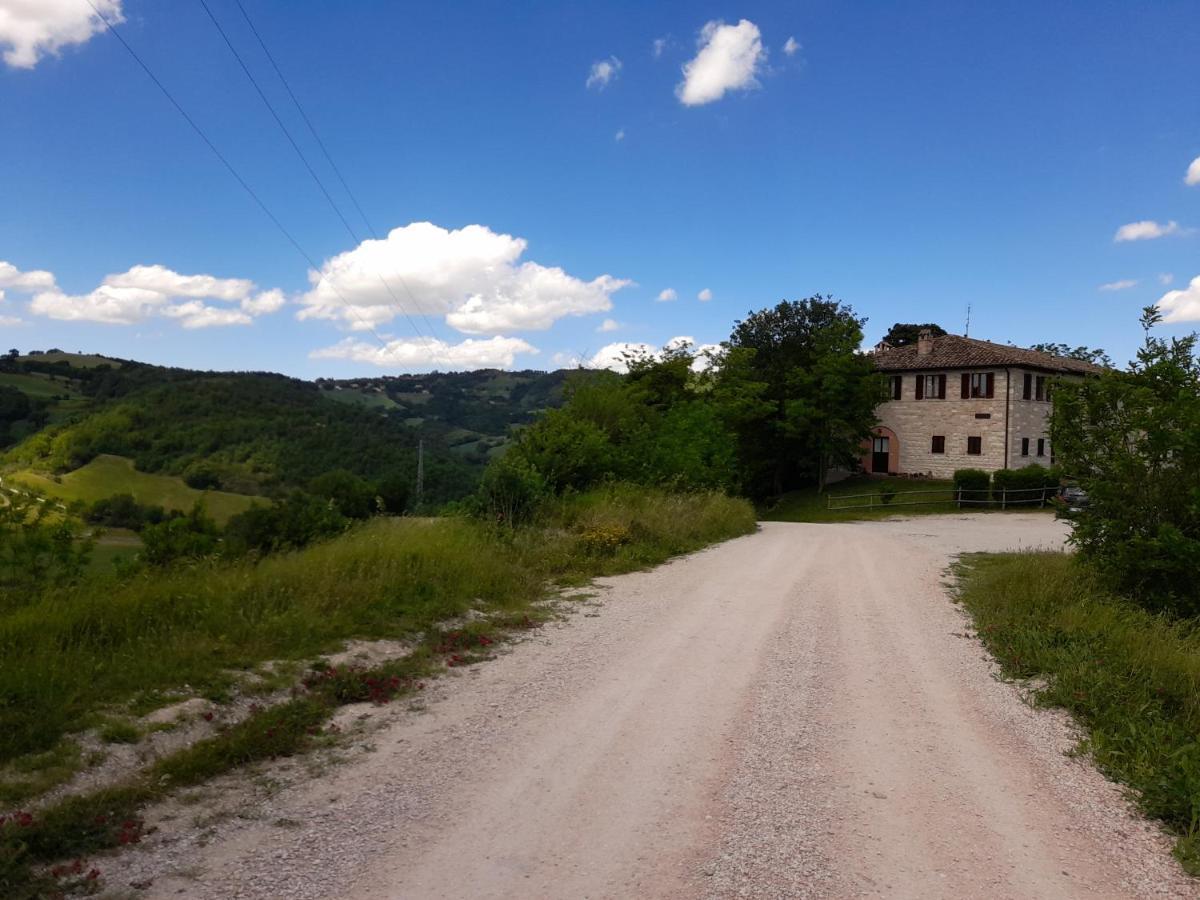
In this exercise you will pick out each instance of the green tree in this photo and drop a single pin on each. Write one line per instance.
(902, 334)
(1132, 440)
(802, 396)
(1085, 354)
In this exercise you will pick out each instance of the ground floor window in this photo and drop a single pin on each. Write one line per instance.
(974, 446)
(939, 443)
(1041, 446)
(1024, 446)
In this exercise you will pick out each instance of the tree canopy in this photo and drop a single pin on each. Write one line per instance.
(903, 333)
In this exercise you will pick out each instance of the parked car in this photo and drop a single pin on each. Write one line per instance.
(1072, 499)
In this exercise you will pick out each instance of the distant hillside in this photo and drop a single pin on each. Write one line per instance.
(472, 412)
(261, 433)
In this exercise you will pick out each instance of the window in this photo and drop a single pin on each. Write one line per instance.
(1025, 443)
(939, 444)
(893, 387)
(1041, 446)
(1039, 388)
(1027, 393)
(974, 446)
(931, 387)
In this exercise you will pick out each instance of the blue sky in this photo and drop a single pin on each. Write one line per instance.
(909, 159)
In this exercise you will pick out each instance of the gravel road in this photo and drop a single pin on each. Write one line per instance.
(798, 713)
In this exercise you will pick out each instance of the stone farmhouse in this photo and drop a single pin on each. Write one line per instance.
(954, 402)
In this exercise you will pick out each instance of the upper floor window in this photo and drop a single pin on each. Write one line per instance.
(978, 384)
(1035, 388)
(931, 387)
(892, 387)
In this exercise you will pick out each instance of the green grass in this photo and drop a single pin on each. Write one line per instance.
(369, 399)
(109, 641)
(107, 475)
(75, 360)
(1131, 678)
(39, 386)
(113, 545)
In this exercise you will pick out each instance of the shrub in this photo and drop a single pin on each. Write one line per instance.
(193, 536)
(1027, 480)
(288, 524)
(1132, 440)
(973, 483)
(886, 493)
(511, 489)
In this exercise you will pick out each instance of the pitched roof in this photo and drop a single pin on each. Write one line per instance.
(952, 351)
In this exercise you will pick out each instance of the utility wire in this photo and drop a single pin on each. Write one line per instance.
(230, 168)
(312, 172)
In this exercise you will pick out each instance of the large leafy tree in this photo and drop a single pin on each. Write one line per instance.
(1132, 439)
(904, 333)
(798, 392)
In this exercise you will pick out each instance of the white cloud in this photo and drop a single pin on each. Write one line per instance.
(1165, 278)
(11, 321)
(472, 276)
(195, 314)
(666, 295)
(31, 29)
(620, 135)
(616, 356)
(144, 292)
(34, 280)
(1145, 230)
(729, 58)
(264, 302)
(1183, 305)
(1193, 172)
(496, 352)
(609, 325)
(705, 295)
(660, 44)
(1122, 285)
(791, 46)
(603, 72)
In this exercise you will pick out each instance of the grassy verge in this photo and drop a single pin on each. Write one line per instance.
(71, 656)
(1132, 679)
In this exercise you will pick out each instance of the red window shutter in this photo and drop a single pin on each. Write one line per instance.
(920, 387)
(966, 385)
(1028, 393)
(942, 387)
(991, 384)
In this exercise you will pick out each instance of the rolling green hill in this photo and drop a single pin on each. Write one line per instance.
(107, 475)
(70, 415)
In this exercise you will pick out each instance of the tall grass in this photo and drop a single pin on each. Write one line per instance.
(1131, 678)
(70, 653)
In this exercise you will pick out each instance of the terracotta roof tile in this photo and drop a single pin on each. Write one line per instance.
(952, 351)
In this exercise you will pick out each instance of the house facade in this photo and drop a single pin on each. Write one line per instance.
(955, 402)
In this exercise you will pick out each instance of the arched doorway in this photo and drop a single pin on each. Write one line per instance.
(881, 454)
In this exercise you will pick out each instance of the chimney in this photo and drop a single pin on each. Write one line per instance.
(924, 342)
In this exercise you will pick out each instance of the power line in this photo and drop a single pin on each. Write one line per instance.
(230, 168)
(311, 171)
(329, 159)
(334, 166)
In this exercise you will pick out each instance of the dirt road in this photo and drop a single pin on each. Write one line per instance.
(798, 713)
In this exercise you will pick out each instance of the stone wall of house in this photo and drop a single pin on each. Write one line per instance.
(1027, 419)
(915, 422)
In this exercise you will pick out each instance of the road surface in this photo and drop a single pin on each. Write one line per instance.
(798, 713)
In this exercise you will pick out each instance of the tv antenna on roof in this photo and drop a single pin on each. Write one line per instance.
(967, 333)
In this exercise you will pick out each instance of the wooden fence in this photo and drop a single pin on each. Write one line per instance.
(1000, 499)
